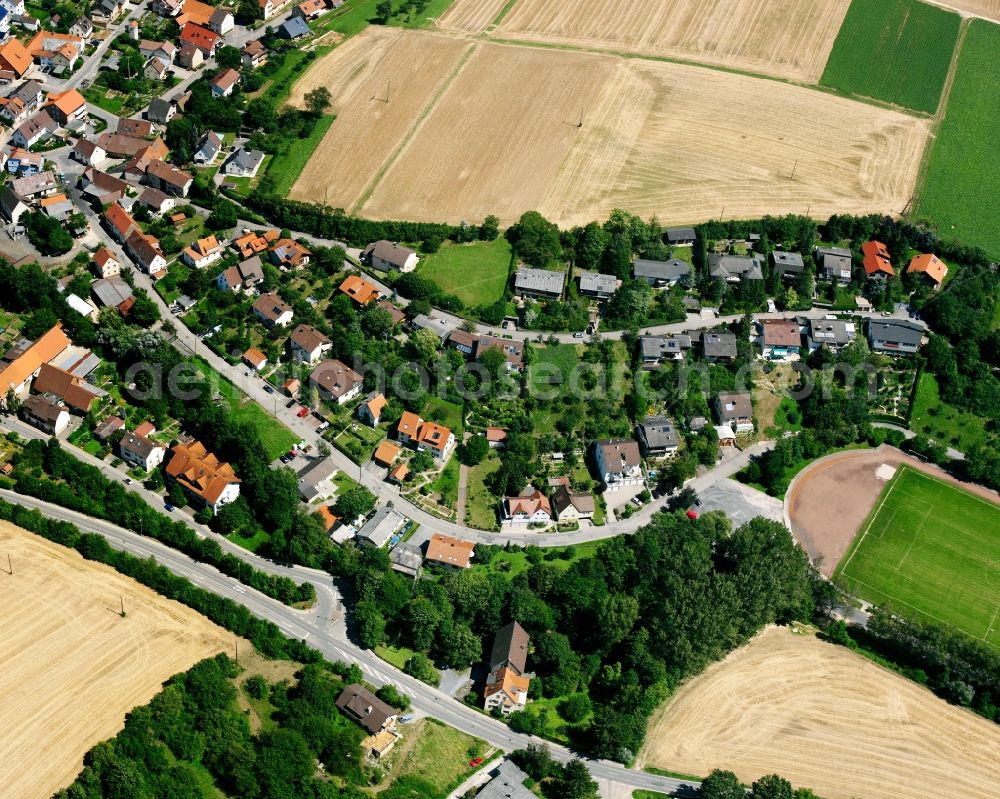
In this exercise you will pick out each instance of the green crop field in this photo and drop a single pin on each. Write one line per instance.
(931, 550)
(476, 273)
(897, 51)
(959, 193)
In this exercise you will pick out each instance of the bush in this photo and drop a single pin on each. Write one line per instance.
(389, 694)
(420, 666)
(256, 687)
(574, 708)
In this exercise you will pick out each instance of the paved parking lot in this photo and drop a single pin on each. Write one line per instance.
(739, 502)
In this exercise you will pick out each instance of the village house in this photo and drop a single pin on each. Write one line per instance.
(448, 552)
(316, 481)
(221, 21)
(507, 684)
(254, 54)
(380, 527)
(17, 374)
(155, 69)
(252, 243)
(21, 103)
(387, 256)
(513, 351)
(876, 260)
(530, 507)
(930, 267)
(657, 436)
(425, 436)
(78, 395)
(833, 264)
(32, 131)
(336, 381)
(203, 252)
(156, 201)
(370, 411)
(569, 505)
(272, 310)
(105, 263)
(160, 111)
(293, 28)
(681, 236)
(779, 339)
(288, 254)
(206, 41)
(168, 178)
(47, 414)
(385, 453)
(66, 107)
(243, 163)
(359, 289)
(406, 559)
(21, 162)
(113, 292)
(255, 359)
(207, 481)
(734, 408)
(373, 715)
(310, 9)
(834, 334)
(307, 344)
(33, 188)
(619, 463)
(717, 347)
(539, 283)
(141, 452)
(60, 51)
(87, 152)
(224, 83)
(895, 336)
(119, 223)
(661, 274)
(104, 12)
(15, 60)
(654, 350)
(100, 188)
(597, 285)
(11, 206)
(190, 56)
(734, 268)
(145, 251)
(244, 276)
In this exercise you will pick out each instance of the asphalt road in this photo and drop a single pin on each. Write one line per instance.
(320, 633)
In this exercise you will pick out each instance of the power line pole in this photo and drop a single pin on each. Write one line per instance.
(10, 568)
(122, 600)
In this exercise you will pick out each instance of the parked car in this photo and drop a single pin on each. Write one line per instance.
(304, 412)
(128, 481)
(476, 761)
(578, 335)
(268, 389)
(168, 506)
(290, 403)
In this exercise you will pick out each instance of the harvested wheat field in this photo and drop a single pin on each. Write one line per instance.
(470, 16)
(368, 129)
(70, 666)
(495, 140)
(989, 9)
(687, 144)
(784, 38)
(827, 719)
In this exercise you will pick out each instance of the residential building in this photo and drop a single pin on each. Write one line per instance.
(58, 207)
(386, 453)
(359, 289)
(496, 437)
(105, 263)
(726, 435)
(56, 50)
(145, 251)
(449, 552)
(310, 9)
(15, 60)
(252, 243)
(365, 709)
(507, 782)
(205, 479)
(12, 206)
(32, 131)
(619, 463)
(104, 12)
(530, 507)
(221, 21)
(20, 162)
(208, 148)
(161, 111)
(439, 327)
(272, 310)
(21, 103)
(398, 473)
(17, 375)
(167, 8)
(657, 436)
(894, 336)
(66, 107)
(569, 505)
(834, 334)
(734, 408)
(100, 188)
(425, 436)
(113, 292)
(788, 264)
(255, 359)
(244, 163)
(398, 317)
(833, 264)
(190, 56)
(316, 481)
(655, 349)
(388, 256)
(224, 83)
(83, 28)
(119, 223)
(512, 350)
(734, 268)
(32, 188)
(293, 28)
(660, 274)
(168, 178)
(718, 347)
(780, 339)
(289, 254)
(539, 283)
(681, 236)
(406, 559)
(78, 395)
(597, 285)
(370, 411)
(87, 152)
(108, 428)
(203, 39)
(336, 381)
(876, 260)
(119, 145)
(381, 527)
(932, 268)
(47, 414)
(141, 452)
(307, 344)
(203, 252)
(463, 341)
(242, 277)
(508, 679)
(155, 69)
(254, 54)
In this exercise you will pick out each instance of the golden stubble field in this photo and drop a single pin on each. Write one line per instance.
(784, 38)
(826, 719)
(493, 128)
(70, 666)
(990, 9)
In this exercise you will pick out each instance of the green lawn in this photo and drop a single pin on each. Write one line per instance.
(440, 756)
(945, 423)
(98, 95)
(551, 367)
(930, 549)
(445, 413)
(423, 19)
(397, 656)
(519, 562)
(897, 51)
(959, 191)
(284, 168)
(480, 504)
(476, 273)
(447, 483)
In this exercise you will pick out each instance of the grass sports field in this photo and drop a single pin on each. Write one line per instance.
(476, 273)
(933, 550)
(914, 43)
(963, 170)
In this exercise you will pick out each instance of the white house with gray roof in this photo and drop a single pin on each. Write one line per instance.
(788, 264)
(595, 284)
(539, 283)
(833, 263)
(244, 163)
(657, 436)
(381, 527)
(733, 268)
(388, 256)
(895, 336)
(661, 273)
(833, 334)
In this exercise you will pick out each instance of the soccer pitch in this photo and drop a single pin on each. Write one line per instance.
(932, 550)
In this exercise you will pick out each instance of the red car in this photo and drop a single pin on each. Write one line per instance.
(692, 514)
(303, 412)
(476, 761)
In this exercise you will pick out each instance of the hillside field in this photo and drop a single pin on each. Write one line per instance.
(827, 719)
(476, 273)
(462, 137)
(932, 550)
(784, 38)
(959, 191)
(70, 666)
(897, 51)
